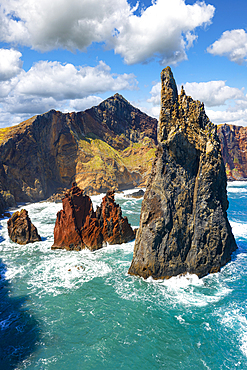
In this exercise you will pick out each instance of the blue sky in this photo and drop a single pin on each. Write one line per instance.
(70, 55)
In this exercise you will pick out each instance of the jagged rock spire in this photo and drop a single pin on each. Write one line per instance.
(184, 225)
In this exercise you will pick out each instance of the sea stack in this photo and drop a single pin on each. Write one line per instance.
(183, 225)
(78, 226)
(21, 230)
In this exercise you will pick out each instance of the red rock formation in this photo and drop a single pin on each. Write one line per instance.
(21, 230)
(115, 228)
(78, 226)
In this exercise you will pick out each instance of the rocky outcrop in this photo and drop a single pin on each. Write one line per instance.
(21, 230)
(136, 194)
(105, 147)
(184, 226)
(115, 228)
(234, 150)
(78, 226)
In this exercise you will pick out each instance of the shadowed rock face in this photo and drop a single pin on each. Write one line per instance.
(78, 226)
(184, 225)
(21, 230)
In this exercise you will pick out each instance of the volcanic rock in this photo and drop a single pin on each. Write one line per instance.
(106, 147)
(78, 226)
(21, 230)
(136, 194)
(234, 150)
(115, 228)
(184, 226)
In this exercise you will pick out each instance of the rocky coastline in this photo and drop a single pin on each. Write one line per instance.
(108, 147)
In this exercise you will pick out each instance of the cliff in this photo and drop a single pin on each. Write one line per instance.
(234, 150)
(183, 225)
(110, 146)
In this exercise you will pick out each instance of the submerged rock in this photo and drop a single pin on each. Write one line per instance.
(21, 230)
(184, 226)
(136, 194)
(78, 226)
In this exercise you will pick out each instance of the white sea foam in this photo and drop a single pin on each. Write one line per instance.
(235, 318)
(237, 187)
(239, 229)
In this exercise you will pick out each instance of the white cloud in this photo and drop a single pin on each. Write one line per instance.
(238, 118)
(230, 103)
(213, 93)
(10, 63)
(85, 103)
(65, 81)
(155, 92)
(46, 25)
(164, 30)
(52, 85)
(232, 44)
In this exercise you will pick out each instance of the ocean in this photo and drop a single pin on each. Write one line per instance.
(81, 310)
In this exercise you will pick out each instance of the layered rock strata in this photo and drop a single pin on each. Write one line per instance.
(184, 226)
(234, 150)
(21, 230)
(78, 226)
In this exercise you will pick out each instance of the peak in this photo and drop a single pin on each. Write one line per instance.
(120, 97)
(169, 87)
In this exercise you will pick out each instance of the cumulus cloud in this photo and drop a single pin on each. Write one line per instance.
(229, 103)
(48, 85)
(75, 24)
(238, 118)
(213, 93)
(164, 30)
(65, 81)
(155, 92)
(85, 103)
(10, 63)
(231, 44)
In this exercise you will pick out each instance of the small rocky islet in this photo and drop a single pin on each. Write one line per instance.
(21, 230)
(78, 226)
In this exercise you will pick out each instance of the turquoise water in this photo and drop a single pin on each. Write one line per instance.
(97, 317)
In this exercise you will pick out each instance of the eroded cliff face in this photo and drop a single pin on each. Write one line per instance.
(106, 147)
(184, 225)
(234, 150)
